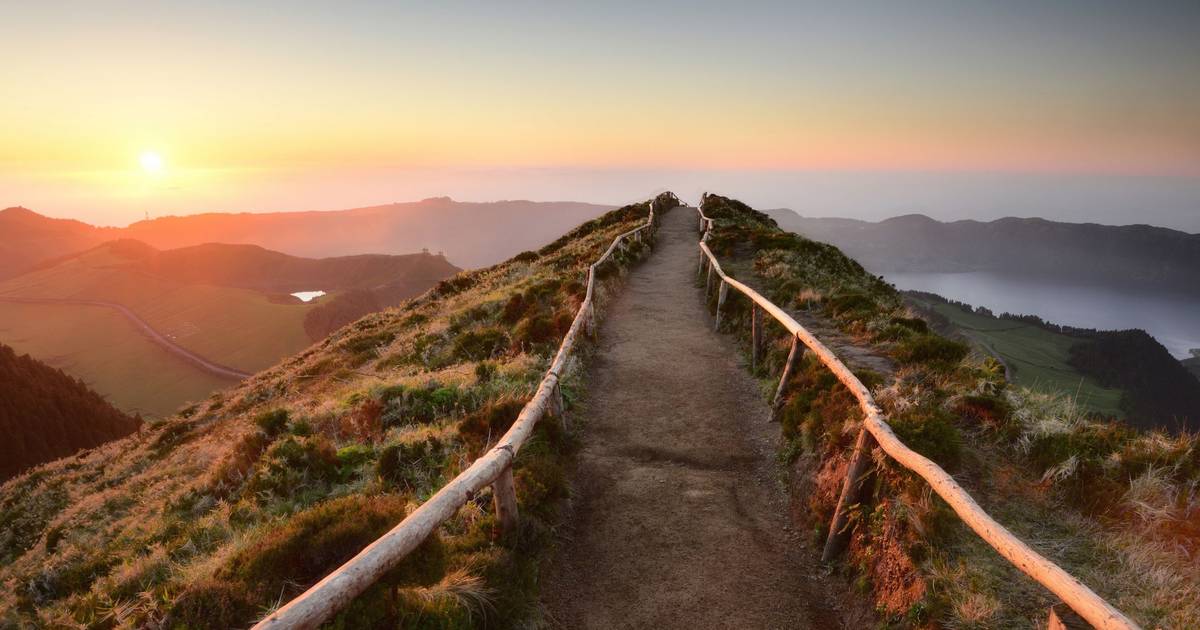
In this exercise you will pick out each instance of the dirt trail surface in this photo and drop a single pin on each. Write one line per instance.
(679, 519)
(146, 329)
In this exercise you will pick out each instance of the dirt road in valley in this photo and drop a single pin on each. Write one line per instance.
(679, 519)
(146, 329)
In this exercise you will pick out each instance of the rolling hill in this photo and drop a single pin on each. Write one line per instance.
(45, 414)
(471, 234)
(206, 519)
(178, 324)
(1141, 256)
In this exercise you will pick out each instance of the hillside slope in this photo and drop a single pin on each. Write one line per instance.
(210, 518)
(227, 304)
(1113, 506)
(27, 238)
(1141, 256)
(45, 414)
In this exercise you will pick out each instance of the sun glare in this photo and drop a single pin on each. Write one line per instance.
(151, 162)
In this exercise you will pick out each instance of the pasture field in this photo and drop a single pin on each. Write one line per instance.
(1036, 358)
(102, 348)
(238, 328)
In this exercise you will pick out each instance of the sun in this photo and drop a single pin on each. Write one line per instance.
(151, 162)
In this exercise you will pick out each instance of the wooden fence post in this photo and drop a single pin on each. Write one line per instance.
(853, 492)
(721, 293)
(789, 368)
(756, 325)
(708, 281)
(557, 408)
(504, 495)
(591, 321)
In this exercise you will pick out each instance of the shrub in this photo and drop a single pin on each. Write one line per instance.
(485, 371)
(272, 422)
(534, 330)
(211, 603)
(293, 462)
(931, 350)
(525, 257)
(514, 308)
(480, 345)
(990, 411)
(318, 540)
(490, 422)
(367, 343)
(930, 432)
(411, 465)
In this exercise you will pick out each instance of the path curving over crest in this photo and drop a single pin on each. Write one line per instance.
(679, 518)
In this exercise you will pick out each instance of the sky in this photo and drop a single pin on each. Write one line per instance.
(1072, 110)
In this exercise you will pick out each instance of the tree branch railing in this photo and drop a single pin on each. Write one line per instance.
(876, 431)
(494, 468)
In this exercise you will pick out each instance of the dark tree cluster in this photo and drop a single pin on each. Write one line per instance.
(46, 414)
(1159, 390)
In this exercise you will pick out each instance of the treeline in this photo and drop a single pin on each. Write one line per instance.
(1159, 390)
(46, 414)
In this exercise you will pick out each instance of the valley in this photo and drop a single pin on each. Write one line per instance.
(154, 329)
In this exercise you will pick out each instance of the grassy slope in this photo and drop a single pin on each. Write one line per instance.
(101, 347)
(212, 517)
(1113, 507)
(235, 327)
(1036, 357)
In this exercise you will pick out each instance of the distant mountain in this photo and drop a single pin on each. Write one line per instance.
(45, 414)
(27, 237)
(1133, 256)
(471, 234)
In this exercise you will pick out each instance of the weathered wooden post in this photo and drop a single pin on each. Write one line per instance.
(591, 321)
(853, 493)
(756, 324)
(708, 281)
(1063, 618)
(557, 408)
(795, 354)
(721, 293)
(504, 496)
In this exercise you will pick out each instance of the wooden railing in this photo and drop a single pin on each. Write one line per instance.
(875, 430)
(494, 468)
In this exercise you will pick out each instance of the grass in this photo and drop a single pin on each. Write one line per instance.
(1115, 507)
(219, 514)
(236, 327)
(101, 347)
(1036, 357)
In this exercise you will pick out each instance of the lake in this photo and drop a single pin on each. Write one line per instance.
(1173, 320)
(308, 296)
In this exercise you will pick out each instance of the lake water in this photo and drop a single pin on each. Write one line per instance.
(1173, 320)
(308, 296)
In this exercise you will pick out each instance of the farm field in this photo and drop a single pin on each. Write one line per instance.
(103, 349)
(238, 328)
(1036, 358)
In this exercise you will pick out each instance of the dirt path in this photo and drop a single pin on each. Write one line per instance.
(679, 518)
(148, 331)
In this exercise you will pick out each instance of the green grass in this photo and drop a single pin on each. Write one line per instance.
(102, 348)
(1036, 358)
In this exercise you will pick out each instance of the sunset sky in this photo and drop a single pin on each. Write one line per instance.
(304, 105)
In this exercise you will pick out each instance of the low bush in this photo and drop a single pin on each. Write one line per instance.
(931, 350)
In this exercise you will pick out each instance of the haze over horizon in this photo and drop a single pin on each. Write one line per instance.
(1075, 112)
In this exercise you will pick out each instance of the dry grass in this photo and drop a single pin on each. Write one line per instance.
(121, 535)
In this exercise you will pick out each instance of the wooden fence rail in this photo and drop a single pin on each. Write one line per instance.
(875, 430)
(316, 605)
